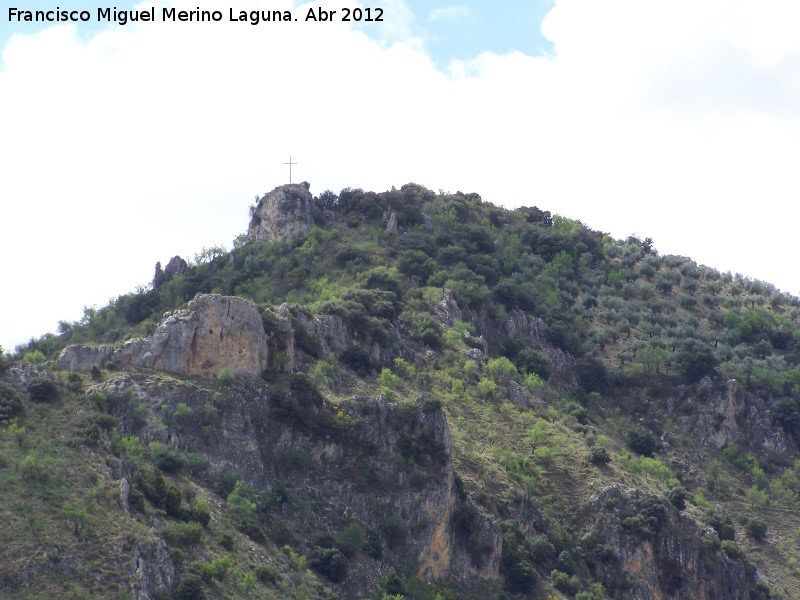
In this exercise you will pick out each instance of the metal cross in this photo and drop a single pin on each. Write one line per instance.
(290, 163)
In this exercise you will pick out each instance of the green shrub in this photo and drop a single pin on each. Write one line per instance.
(266, 575)
(732, 549)
(200, 511)
(136, 500)
(280, 532)
(357, 359)
(10, 403)
(190, 587)
(182, 414)
(329, 562)
(182, 534)
(105, 422)
(165, 459)
(723, 525)
(42, 390)
(756, 529)
(394, 528)
(599, 455)
(36, 357)
(32, 468)
(641, 441)
(351, 540)
(541, 549)
(372, 544)
(251, 529)
(677, 496)
(226, 376)
(565, 563)
(564, 583)
(74, 382)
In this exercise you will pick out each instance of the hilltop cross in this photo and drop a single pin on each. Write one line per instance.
(290, 163)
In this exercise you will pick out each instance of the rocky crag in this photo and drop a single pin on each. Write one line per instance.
(283, 214)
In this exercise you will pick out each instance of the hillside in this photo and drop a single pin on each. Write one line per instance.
(409, 394)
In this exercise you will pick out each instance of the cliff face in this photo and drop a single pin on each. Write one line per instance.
(213, 333)
(367, 461)
(283, 214)
(643, 544)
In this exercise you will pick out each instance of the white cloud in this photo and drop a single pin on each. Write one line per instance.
(452, 14)
(152, 140)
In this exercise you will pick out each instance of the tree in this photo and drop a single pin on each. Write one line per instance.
(77, 517)
(756, 529)
(652, 358)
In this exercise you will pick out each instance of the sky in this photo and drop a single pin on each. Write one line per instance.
(125, 145)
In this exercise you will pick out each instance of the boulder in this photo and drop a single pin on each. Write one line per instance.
(283, 214)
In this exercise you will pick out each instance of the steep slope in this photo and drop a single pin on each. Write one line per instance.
(418, 394)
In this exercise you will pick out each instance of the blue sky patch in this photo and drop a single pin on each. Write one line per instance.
(463, 29)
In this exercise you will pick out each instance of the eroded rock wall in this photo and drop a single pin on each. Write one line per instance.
(213, 333)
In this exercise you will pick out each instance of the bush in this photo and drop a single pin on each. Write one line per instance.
(165, 459)
(226, 376)
(136, 500)
(329, 562)
(251, 529)
(200, 511)
(393, 586)
(732, 549)
(641, 441)
(357, 359)
(521, 577)
(565, 563)
(36, 357)
(190, 587)
(564, 583)
(756, 529)
(677, 496)
(372, 544)
(599, 455)
(723, 525)
(394, 529)
(266, 575)
(541, 549)
(10, 403)
(182, 534)
(42, 390)
(351, 540)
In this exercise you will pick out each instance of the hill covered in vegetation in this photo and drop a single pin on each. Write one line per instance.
(433, 397)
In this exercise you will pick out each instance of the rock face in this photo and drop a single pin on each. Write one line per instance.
(283, 214)
(213, 333)
(175, 266)
(661, 559)
(385, 466)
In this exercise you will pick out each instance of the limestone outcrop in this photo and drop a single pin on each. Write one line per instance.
(283, 214)
(175, 266)
(213, 333)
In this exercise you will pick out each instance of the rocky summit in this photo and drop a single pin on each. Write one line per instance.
(282, 214)
(410, 395)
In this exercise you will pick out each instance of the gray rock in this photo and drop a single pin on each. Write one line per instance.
(391, 226)
(283, 214)
(447, 310)
(124, 495)
(213, 333)
(476, 355)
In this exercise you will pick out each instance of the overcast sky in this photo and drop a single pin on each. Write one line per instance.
(121, 146)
